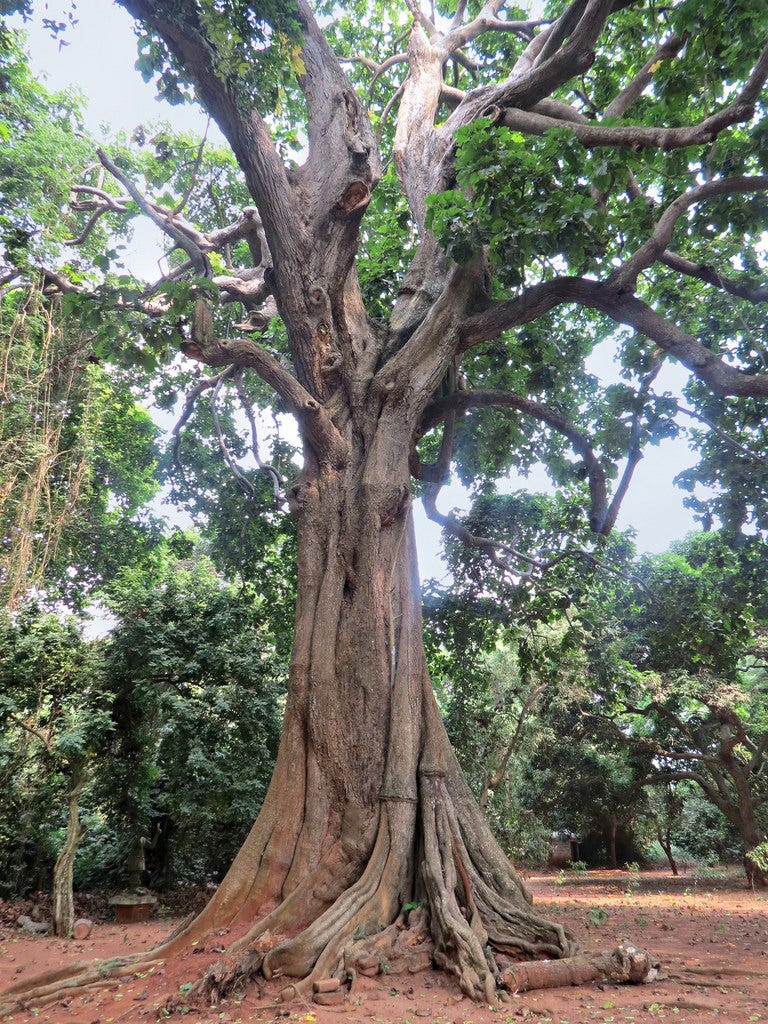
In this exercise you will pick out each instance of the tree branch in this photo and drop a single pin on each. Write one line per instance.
(634, 452)
(624, 278)
(631, 92)
(315, 423)
(626, 136)
(627, 309)
(459, 401)
(702, 272)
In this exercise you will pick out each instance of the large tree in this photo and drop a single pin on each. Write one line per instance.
(595, 172)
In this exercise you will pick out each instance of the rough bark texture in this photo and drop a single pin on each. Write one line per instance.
(625, 964)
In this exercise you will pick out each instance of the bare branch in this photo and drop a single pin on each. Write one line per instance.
(165, 223)
(194, 172)
(245, 484)
(277, 480)
(190, 400)
(486, 21)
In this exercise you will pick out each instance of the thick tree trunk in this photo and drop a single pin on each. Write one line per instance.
(367, 809)
(756, 875)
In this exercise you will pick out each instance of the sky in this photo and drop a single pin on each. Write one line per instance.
(99, 57)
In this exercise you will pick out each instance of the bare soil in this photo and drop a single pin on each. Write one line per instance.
(710, 934)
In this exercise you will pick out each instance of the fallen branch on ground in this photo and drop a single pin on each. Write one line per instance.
(626, 964)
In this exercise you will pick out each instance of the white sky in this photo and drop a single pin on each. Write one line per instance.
(99, 59)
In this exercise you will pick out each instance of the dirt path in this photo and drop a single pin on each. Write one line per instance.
(711, 937)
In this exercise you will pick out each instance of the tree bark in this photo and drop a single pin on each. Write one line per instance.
(367, 809)
(63, 898)
(610, 837)
(665, 842)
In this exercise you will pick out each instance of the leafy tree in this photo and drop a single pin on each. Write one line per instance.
(195, 683)
(679, 664)
(79, 458)
(558, 185)
(54, 717)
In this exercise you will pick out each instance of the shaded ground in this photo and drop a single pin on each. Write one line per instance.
(710, 934)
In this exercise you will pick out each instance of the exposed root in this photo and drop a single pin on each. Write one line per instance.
(221, 979)
(405, 947)
(71, 980)
(470, 907)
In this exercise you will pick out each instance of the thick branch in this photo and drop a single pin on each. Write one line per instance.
(627, 309)
(179, 25)
(529, 84)
(628, 136)
(313, 419)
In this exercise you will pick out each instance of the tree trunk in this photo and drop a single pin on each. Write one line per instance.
(756, 875)
(63, 899)
(610, 837)
(665, 842)
(367, 809)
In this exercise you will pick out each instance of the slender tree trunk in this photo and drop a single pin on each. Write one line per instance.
(610, 836)
(63, 898)
(665, 842)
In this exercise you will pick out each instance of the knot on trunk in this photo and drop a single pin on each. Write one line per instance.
(355, 197)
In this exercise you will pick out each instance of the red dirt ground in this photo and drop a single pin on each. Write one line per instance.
(711, 936)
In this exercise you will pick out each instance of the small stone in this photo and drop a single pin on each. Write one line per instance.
(288, 994)
(368, 972)
(326, 985)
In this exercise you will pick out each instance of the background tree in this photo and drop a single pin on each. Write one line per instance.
(559, 186)
(678, 663)
(196, 685)
(55, 715)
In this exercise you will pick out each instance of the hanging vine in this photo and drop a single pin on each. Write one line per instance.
(50, 413)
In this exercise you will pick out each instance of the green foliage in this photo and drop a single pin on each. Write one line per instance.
(43, 149)
(54, 715)
(527, 199)
(196, 684)
(257, 50)
(78, 455)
